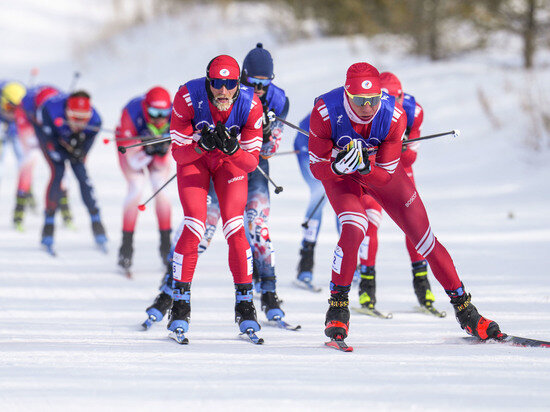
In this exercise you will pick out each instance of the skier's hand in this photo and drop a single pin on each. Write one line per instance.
(349, 159)
(267, 123)
(207, 141)
(227, 141)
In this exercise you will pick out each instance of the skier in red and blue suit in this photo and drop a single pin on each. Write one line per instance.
(69, 125)
(344, 123)
(146, 116)
(216, 132)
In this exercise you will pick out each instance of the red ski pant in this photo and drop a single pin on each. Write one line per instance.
(230, 184)
(401, 201)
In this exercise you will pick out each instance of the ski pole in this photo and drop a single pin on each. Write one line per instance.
(286, 153)
(59, 121)
(74, 80)
(33, 74)
(142, 206)
(278, 189)
(292, 125)
(454, 132)
(122, 149)
(305, 225)
(124, 139)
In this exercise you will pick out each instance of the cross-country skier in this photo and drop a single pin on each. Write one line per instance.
(216, 132)
(146, 116)
(27, 123)
(414, 116)
(69, 127)
(345, 121)
(257, 73)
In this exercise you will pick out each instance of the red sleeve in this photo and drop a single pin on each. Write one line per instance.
(408, 157)
(251, 139)
(184, 149)
(320, 143)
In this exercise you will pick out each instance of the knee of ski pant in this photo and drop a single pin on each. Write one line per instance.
(351, 237)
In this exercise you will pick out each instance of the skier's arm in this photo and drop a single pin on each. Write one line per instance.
(270, 147)
(136, 157)
(408, 157)
(184, 146)
(320, 143)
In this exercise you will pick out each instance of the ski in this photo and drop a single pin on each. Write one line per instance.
(278, 322)
(339, 344)
(178, 336)
(430, 310)
(307, 286)
(373, 312)
(149, 322)
(511, 340)
(251, 336)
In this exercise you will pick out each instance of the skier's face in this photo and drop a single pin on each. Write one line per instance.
(260, 84)
(365, 112)
(223, 97)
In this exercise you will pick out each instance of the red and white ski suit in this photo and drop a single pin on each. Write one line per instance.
(195, 168)
(387, 183)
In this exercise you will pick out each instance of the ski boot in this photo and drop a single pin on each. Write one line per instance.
(65, 211)
(271, 304)
(165, 246)
(163, 302)
(469, 318)
(421, 284)
(245, 312)
(337, 318)
(178, 321)
(47, 232)
(19, 212)
(367, 287)
(31, 201)
(305, 267)
(126, 251)
(99, 232)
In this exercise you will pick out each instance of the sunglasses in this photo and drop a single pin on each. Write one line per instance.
(258, 83)
(155, 113)
(229, 84)
(78, 115)
(361, 100)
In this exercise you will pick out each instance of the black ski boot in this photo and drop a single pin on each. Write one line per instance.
(469, 318)
(421, 284)
(271, 305)
(367, 287)
(165, 246)
(47, 231)
(126, 250)
(305, 265)
(337, 318)
(181, 307)
(245, 312)
(19, 212)
(65, 211)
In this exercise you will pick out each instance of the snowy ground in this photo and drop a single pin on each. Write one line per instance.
(70, 335)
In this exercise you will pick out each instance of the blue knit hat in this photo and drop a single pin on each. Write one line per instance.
(258, 62)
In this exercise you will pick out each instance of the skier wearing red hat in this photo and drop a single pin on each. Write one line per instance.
(344, 123)
(216, 132)
(145, 117)
(391, 85)
(67, 132)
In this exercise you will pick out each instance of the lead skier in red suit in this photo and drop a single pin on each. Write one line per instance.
(216, 132)
(345, 122)
(414, 113)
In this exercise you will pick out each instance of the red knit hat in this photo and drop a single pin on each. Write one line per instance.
(79, 106)
(362, 78)
(223, 67)
(390, 84)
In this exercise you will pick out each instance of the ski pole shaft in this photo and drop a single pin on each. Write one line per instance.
(454, 133)
(286, 153)
(125, 139)
(122, 149)
(291, 125)
(305, 225)
(74, 80)
(59, 121)
(278, 189)
(142, 206)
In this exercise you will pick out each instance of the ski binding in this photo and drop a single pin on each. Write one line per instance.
(307, 286)
(430, 310)
(338, 343)
(249, 334)
(177, 335)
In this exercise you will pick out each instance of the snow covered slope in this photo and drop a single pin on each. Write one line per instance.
(70, 337)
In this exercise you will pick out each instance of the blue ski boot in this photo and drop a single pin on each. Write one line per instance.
(99, 232)
(47, 232)
(178, 321)
(245, 312)
(271, 304)
(163, 302)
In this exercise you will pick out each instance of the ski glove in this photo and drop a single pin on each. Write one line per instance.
(207, 141)
(349, 159)
(226, 140)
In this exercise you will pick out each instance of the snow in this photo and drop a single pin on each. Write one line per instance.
(70, 335)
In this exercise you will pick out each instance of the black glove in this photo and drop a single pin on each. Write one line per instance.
(150, 149)
(207, 141)
(76, 141)
(227, 141)
(267, 125)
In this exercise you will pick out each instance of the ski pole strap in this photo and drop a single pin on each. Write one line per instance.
(292, 125)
